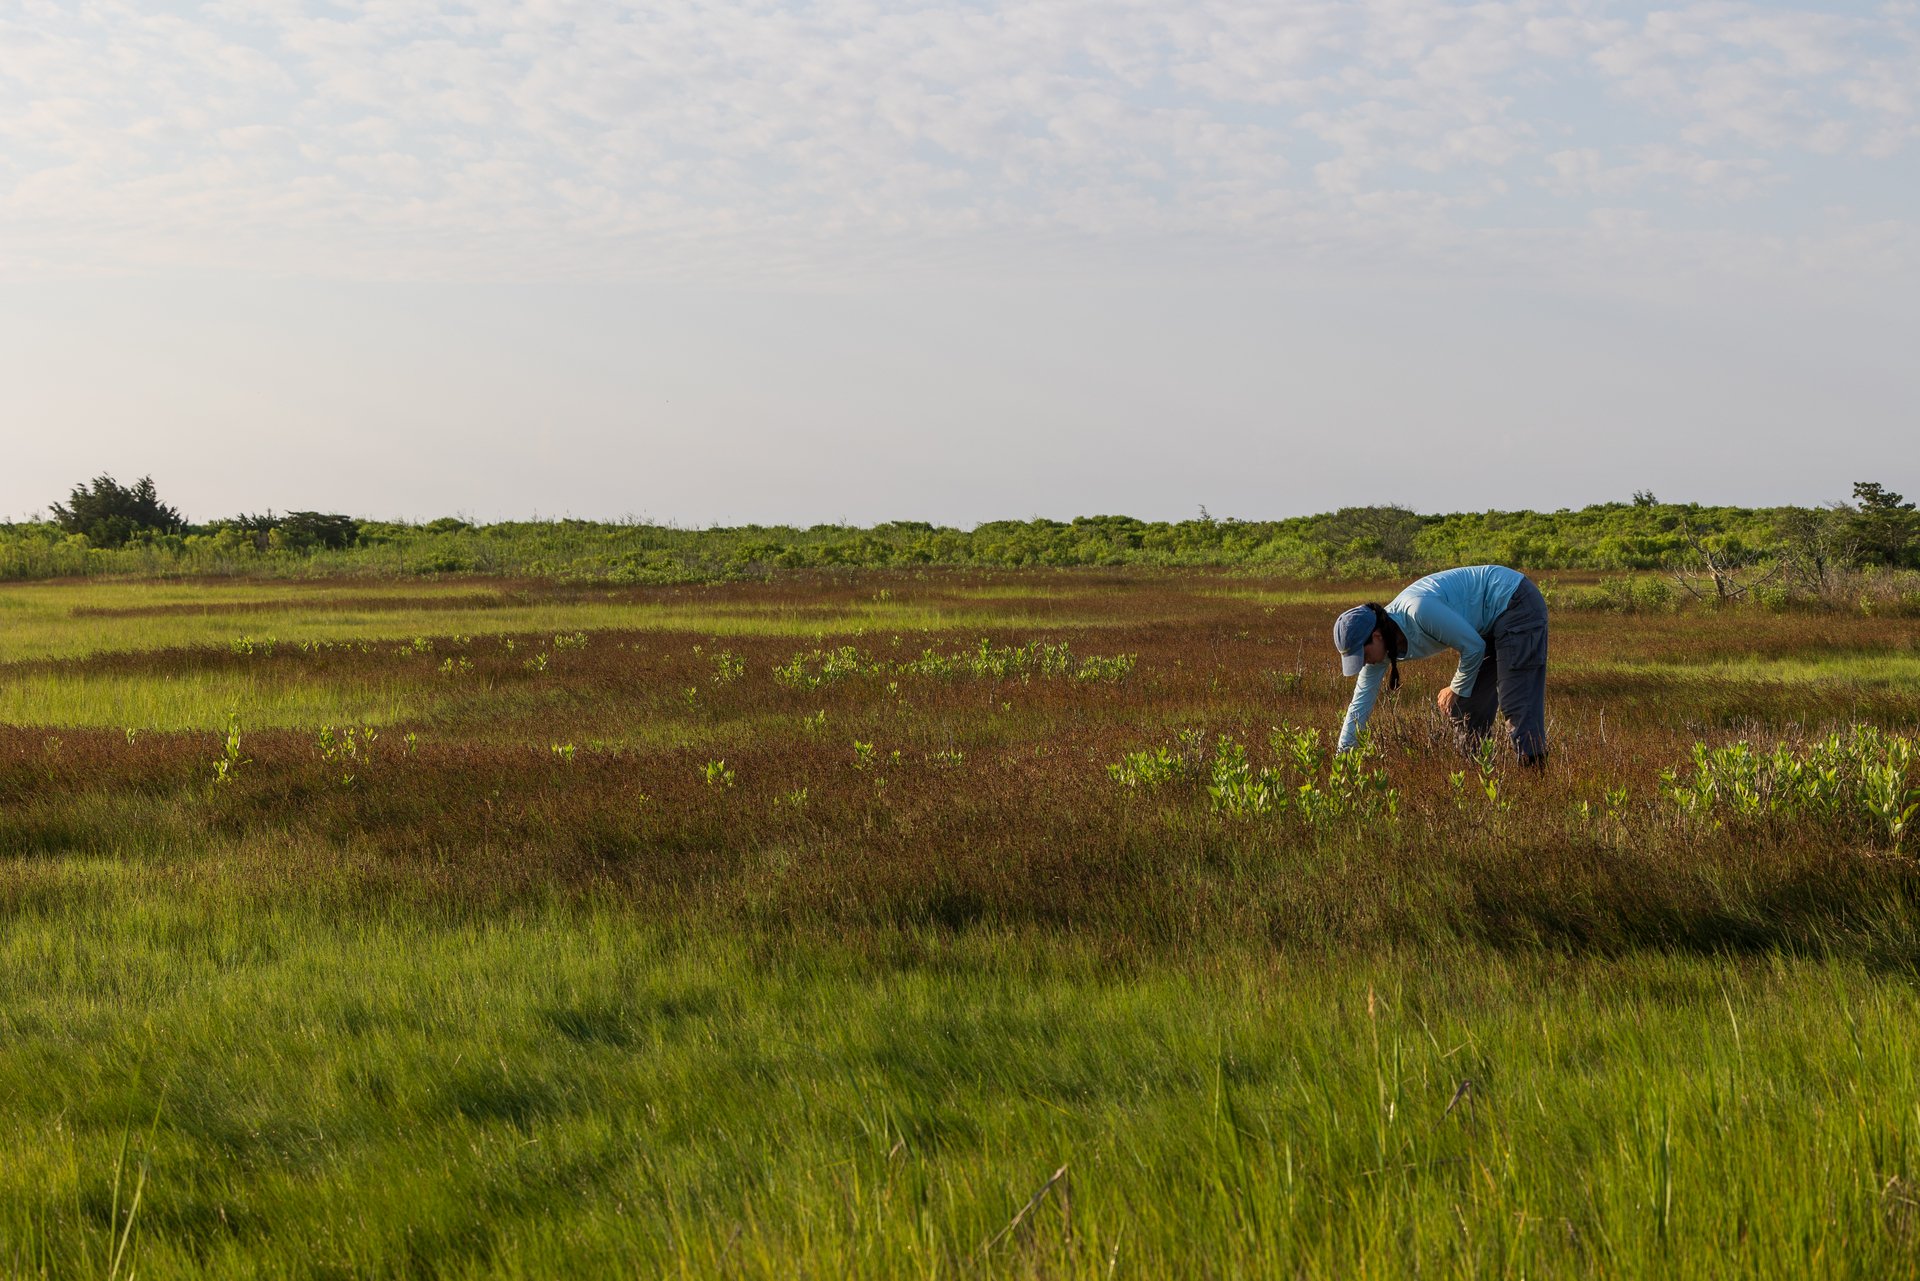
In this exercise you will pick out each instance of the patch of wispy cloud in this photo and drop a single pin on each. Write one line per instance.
(550, 139)
(1769, 78)
(1588, 171)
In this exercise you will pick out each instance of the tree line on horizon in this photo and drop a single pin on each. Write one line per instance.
(105, 527)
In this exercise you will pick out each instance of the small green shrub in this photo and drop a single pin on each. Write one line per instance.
(818, 667)
(226, 767)
(1317, 785)
(1853, 781)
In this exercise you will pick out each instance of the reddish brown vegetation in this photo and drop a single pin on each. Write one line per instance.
(998, 806)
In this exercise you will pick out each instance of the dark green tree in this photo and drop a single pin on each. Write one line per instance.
(1816, 544)
(110, 514)
(303, 530)
(298, 531)
(1386, 532)
(1885, 524)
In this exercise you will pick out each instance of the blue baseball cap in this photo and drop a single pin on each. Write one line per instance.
(1351, 632)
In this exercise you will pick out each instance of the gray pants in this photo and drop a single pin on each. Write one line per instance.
(1512, 679)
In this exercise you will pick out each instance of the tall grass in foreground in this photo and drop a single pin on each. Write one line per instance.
(566, 1092)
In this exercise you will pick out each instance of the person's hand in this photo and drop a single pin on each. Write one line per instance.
(1447, 699)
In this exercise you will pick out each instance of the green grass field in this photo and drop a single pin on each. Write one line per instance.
(782, 929)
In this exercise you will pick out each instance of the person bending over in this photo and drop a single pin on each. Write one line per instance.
(1497, 620)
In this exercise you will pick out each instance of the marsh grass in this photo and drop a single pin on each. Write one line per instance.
(578, 974)
(568, 1090)
(197, 700)
(1897, 670)
(72, 621)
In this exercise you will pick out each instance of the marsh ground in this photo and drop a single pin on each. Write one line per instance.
(781, 928)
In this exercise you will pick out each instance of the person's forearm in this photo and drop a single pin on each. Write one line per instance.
(1471, 657)
(1365, 691)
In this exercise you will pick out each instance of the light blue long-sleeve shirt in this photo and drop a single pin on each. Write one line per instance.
(1453, 609)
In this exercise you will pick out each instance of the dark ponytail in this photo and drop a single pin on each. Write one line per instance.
(1396, 642)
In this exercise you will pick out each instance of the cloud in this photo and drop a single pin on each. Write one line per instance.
(1587, 171)
(554, 139)
(1759, 76)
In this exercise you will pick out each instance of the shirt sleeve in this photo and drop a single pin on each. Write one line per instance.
(1453, 631)
(1366, 689)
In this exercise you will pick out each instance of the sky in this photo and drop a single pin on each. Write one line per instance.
(734, 261)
